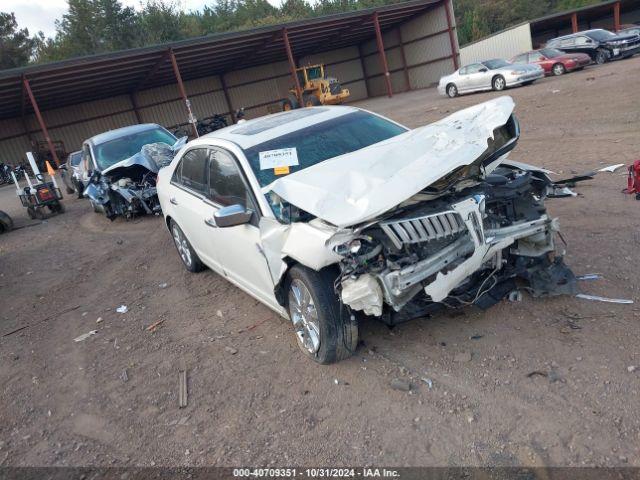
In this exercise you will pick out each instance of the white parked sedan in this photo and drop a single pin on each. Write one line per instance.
(494, 74)
(327, 214)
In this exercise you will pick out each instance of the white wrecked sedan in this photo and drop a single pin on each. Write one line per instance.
(329, 214)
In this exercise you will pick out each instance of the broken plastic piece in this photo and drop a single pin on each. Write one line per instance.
(611, 168)
(363, 293)
(589, 276)
(122, 309)
(84, 336)
(603, 299)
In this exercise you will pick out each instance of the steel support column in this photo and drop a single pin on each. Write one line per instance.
(405, 67)
(452, 40)
(574, 22)
(364, 70)
(227, 98)
(616, 17)
(43, 127)
(292, 65)
(134, 104)
(382, 54)
(183, 92)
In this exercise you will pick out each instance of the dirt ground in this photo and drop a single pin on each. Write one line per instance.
(255, 400)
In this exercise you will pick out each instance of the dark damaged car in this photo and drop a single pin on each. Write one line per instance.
(331, 214)
(123, 166)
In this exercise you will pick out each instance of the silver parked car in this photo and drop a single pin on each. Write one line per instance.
(494, 74)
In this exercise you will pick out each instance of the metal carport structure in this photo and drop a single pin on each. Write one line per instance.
(27, 94)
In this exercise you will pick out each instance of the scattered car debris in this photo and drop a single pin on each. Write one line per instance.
(154, 326)
(163, 285)
(538, 373)
(596, 298)
(124, 376)
(631, 368)
(84, 336)
(99, 320)
(182, 389)
(401, 384)
(231, 350)
(589, 276)
(476, 337)
(612, 168)
(122, 309)
(428, 381)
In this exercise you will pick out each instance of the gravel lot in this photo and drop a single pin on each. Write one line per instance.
(254, 400)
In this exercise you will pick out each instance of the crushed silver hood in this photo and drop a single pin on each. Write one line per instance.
(360, 186)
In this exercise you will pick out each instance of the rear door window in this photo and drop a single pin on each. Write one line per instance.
(520, 59)
(192, 170)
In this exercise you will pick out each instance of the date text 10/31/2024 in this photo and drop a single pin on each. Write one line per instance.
(316, 472)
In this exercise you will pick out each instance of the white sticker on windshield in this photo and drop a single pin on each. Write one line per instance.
(283, 157)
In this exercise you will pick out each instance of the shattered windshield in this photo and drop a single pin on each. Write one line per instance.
(119, 149)
(322, 141)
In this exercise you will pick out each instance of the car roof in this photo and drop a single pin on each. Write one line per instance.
(584, 32)
(121, 132)
(253, 132)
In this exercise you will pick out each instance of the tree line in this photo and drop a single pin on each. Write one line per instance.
(100, 26)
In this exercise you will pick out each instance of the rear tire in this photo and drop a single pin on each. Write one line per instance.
(452, 90)
(337, 333)
(188, 256)
(498, 83)
(558, 69)
(290, 103)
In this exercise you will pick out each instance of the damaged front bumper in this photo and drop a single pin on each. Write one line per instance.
(476, 248)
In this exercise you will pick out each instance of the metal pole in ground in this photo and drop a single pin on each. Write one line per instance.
(383, 56)
(183, 92)
(292, 65)
(43, 126)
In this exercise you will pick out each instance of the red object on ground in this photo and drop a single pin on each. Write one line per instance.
(633, 180)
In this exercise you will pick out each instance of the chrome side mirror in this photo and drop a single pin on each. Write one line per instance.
(232, 215)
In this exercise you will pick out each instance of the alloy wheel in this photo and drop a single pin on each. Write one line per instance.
(182, 246)
(499, 83)
(304, 316)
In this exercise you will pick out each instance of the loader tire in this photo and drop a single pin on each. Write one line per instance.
(290, 103)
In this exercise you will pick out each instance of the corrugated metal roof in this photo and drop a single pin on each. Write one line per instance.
(100, 76)
(586, 13)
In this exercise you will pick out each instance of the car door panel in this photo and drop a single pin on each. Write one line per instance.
(186, 197)
(238, 247)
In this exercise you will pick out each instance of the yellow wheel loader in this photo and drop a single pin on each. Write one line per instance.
(317, 89)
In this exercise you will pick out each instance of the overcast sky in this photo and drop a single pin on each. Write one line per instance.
(39, 15)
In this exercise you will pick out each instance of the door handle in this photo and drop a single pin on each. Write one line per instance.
(211, 222)
(173, 201)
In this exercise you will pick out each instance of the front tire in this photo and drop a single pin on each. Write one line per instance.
(290, 103)
(311, 101)
(6, 223)
(601, 56)
(558, 69)
(324, 329)
(189, 258)
(498, 83)
(452, 90)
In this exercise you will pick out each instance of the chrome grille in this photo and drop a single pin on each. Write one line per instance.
(423, 229)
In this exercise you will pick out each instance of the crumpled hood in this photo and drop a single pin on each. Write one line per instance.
(364, 184)
(152, 156)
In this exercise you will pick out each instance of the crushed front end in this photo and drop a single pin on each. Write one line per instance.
(469, 247)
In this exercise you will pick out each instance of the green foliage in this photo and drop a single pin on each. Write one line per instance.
(98, 26)
(478, 18)
(15, 45)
